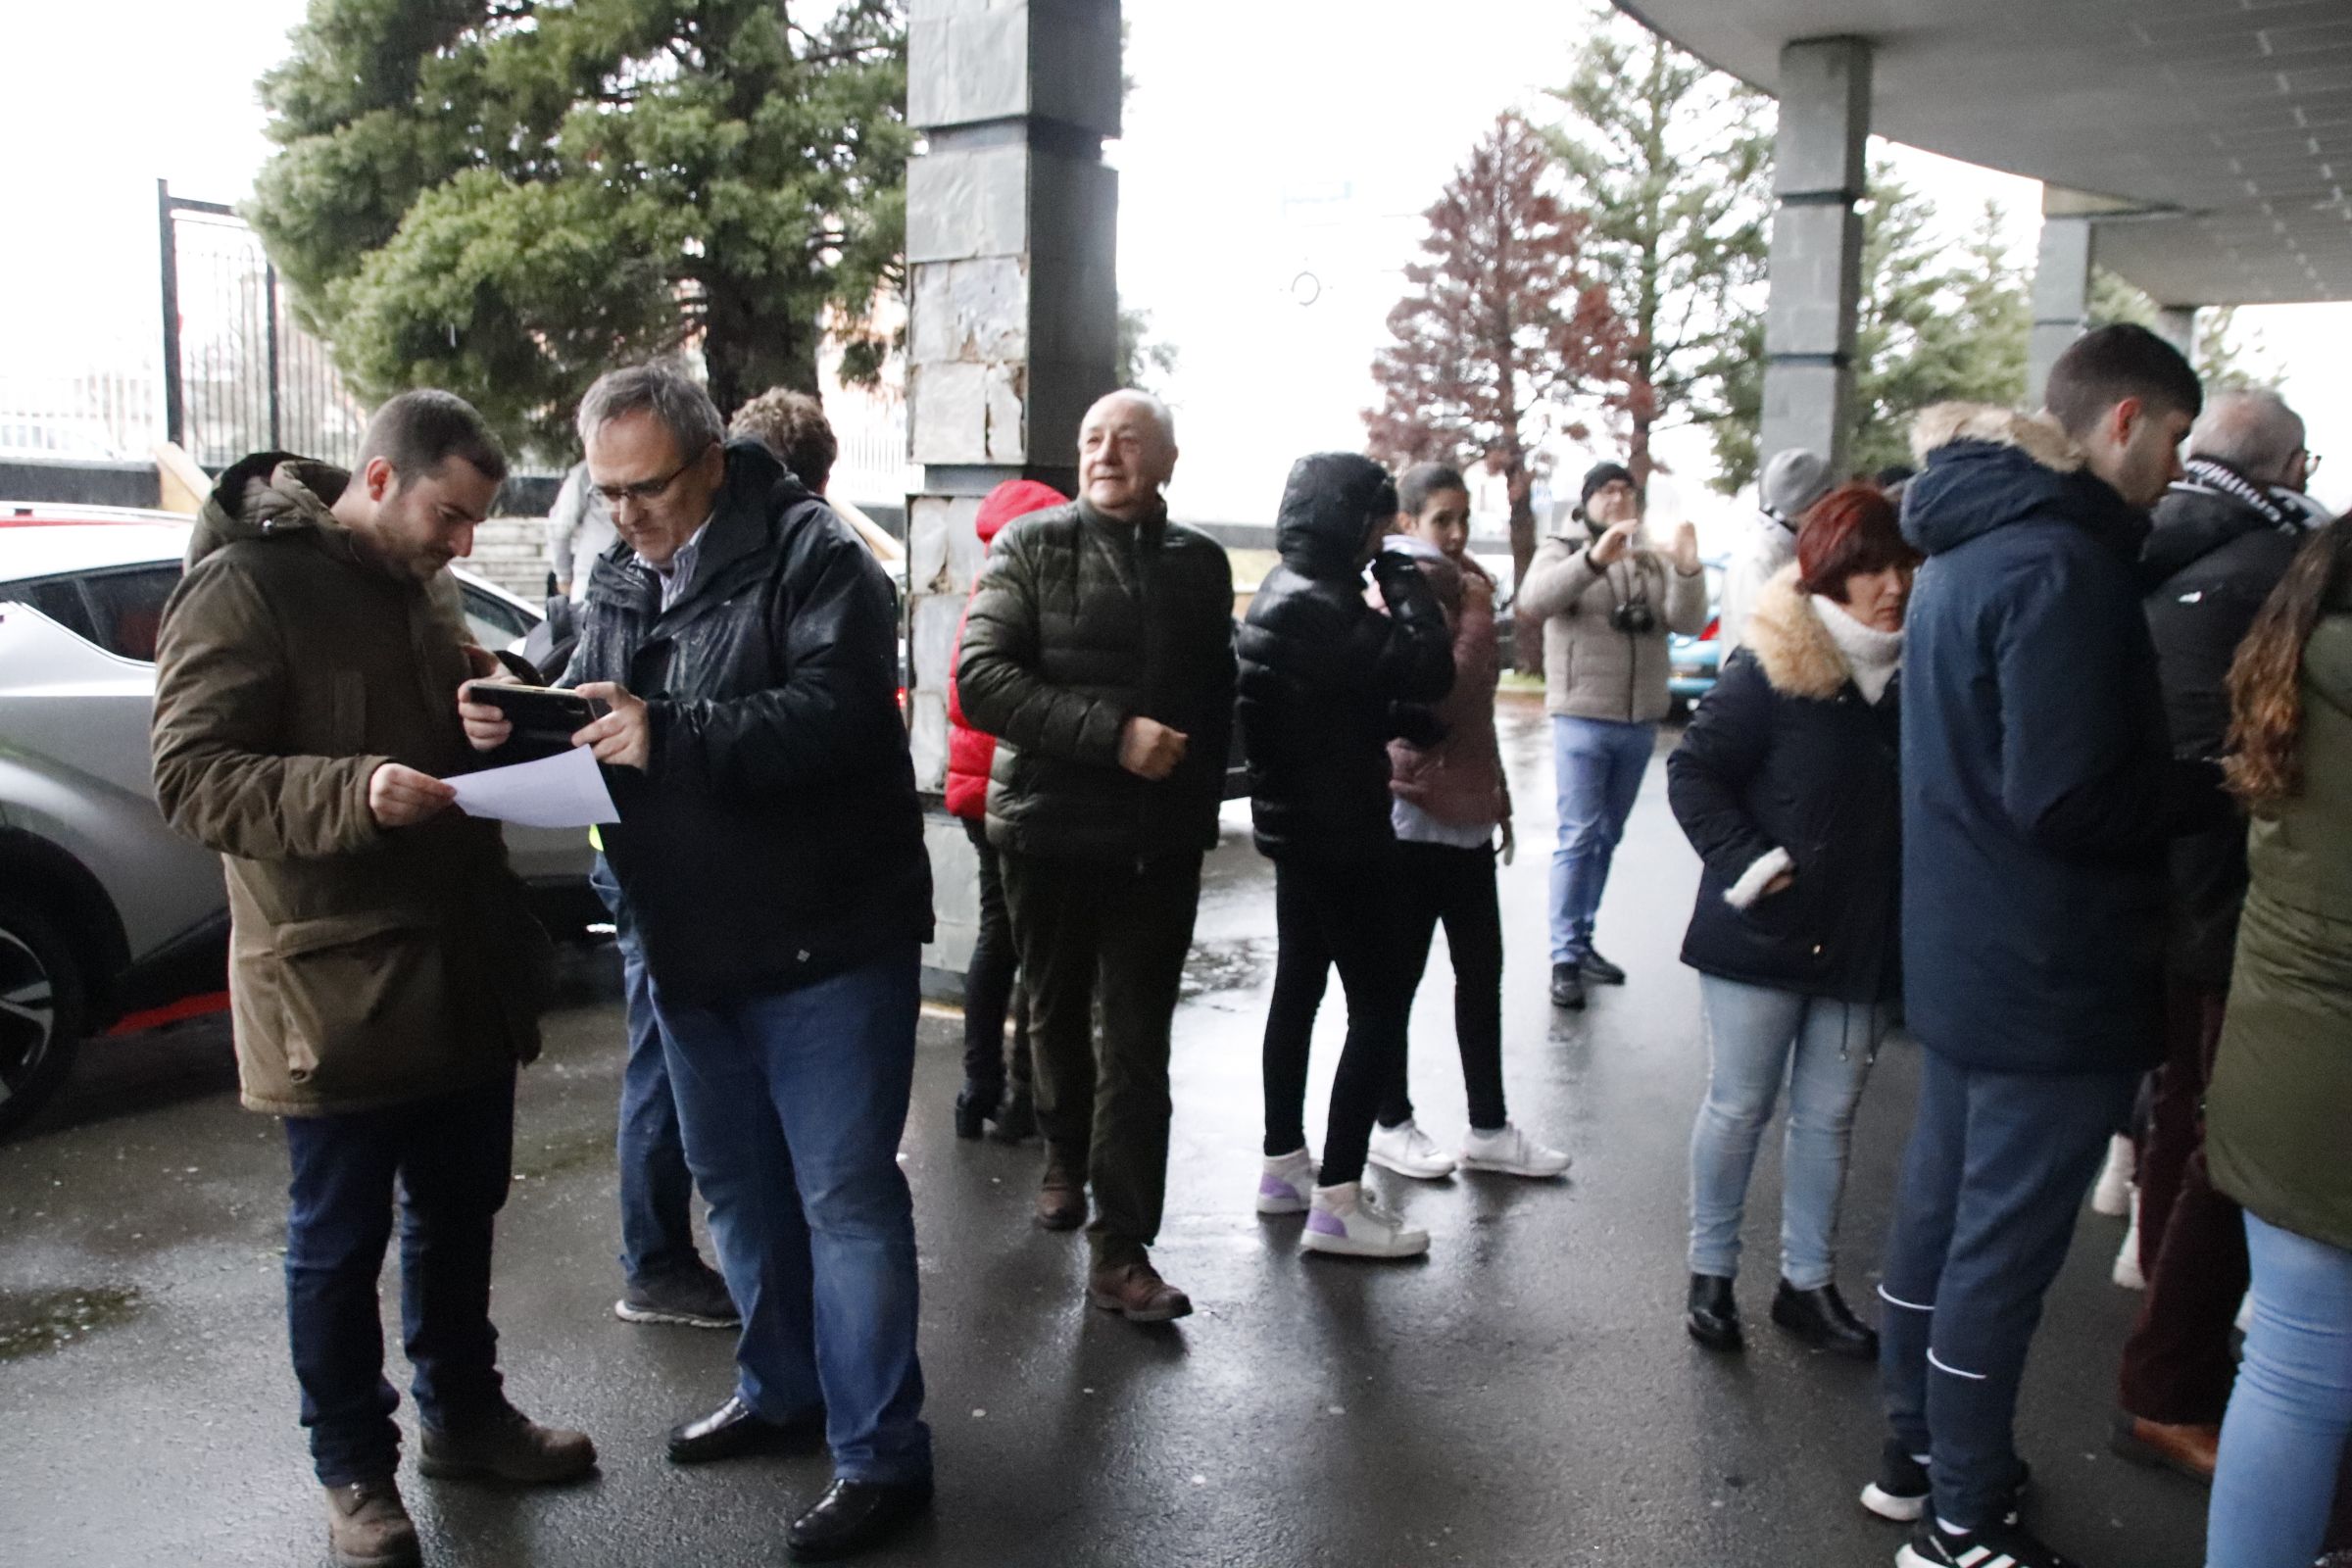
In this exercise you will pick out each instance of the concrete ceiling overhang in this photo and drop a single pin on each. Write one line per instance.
(2228, 123)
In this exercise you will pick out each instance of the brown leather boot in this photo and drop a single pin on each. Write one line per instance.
(367, 1526)
(1061, 1197)
(1135, 1291)
(508, 1447)
(2190, 1450)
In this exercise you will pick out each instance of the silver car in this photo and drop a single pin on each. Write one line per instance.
(109, 921)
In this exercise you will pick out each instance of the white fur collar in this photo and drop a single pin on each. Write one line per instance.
(2036, 435)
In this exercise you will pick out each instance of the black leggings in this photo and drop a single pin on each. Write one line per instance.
(1440, 882)
(992, 985)
(1326, 915)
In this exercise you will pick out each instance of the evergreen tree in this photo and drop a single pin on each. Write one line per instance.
(1672, 162)
(508, 197)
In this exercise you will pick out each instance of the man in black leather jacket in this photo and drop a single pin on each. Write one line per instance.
(770, 853)
(1327, 681)
(1098, 650)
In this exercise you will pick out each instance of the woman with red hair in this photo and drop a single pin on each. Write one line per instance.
(1785, 784)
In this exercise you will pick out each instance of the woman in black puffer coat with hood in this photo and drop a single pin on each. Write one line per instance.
(1325, 682)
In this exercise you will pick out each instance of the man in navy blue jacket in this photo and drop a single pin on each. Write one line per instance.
(2038, 792)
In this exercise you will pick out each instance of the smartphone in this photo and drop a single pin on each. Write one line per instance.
(544, 718)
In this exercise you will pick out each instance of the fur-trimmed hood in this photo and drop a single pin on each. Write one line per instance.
(1798, 655)
(1984, 467)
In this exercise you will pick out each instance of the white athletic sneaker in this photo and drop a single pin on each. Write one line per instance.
(1511, 1151)
(1287, 1184)
(2127, 1258)
(1348, 1222)
(2112, 1194)
(1409, 1151)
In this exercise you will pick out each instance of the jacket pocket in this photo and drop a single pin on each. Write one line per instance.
(362, 1000)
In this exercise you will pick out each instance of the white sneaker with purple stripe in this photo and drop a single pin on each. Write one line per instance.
(1348, 1221)
(1287, 1184)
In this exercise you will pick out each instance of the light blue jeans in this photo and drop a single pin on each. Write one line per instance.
(2285, 1434)
(1598, 765)
(1757, 1036)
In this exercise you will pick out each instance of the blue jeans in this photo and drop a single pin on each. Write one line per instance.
(792, 1104)
(1997, 1170)
(1597, 765)
(2289, 1414)
(448, 1158)
(656, 1192)
(1756, 1036)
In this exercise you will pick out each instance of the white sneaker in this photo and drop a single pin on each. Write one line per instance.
(2112, 1195)
(1409, 1151)
(1511, 1151)
(1348, 1222)
(2127, 1260)
(1287, 1184)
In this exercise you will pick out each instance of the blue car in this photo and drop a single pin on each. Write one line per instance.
(1693, 662)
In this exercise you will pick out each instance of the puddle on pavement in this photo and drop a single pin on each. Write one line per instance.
(1226, 966)
(35, 1322)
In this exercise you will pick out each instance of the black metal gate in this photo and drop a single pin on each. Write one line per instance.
(239, 375)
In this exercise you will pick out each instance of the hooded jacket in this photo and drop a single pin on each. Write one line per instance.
(1323, 672)
(971, 751)
(2214, 560)
(368, 965)
(775, 838)
(2039, 786)
(1785, 755)
(1590, 668)
(1079, 623)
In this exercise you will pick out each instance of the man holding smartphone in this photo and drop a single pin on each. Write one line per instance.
(771, 854)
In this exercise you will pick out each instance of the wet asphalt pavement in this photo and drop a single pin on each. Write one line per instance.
(1524, 1395)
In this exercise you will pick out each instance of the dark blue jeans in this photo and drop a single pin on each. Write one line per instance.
(1994, 1175)
(448, 1157)
(792, 1105)
(656, 1192)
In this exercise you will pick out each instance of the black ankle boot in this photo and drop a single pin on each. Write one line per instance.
(1821, 1319)
(975, 1105)
(1016, 1124)
(1714, 1316)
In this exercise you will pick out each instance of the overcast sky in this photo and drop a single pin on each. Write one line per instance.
(1277, 158)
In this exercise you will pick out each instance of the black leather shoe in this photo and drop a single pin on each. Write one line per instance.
(973, 1107)
(1600, 971)
(735, 1429)
(853, 1515)
(1714, 1315)
(1567, 985)
(1821, 1319)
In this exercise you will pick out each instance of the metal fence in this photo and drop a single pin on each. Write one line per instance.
(239, 375)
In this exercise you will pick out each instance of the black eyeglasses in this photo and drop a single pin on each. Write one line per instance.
(646, 489)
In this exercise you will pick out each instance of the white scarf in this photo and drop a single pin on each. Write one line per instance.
(1872, 654)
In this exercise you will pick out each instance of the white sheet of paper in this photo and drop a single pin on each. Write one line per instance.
(561, 791)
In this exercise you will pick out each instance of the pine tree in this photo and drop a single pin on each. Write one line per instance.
(1505, 333)
(1672, 159)
(508, 197)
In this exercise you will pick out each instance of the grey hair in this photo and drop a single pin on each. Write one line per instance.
(2253, 431)
(1159, 411)
(661, 389)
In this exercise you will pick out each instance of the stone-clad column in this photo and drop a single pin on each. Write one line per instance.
(2061, 295)
(1819, 173)
(1011, 234)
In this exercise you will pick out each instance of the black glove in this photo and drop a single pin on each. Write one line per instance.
(1398, 577)
(1416, 725)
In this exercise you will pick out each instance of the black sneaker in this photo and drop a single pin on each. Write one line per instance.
(692, 1297)
(1567, 985)
(1993, 1547)
(1900, 1492)
(1600, 971)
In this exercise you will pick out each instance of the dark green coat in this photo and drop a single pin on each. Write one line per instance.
(2279, 1118)
(1078, 624)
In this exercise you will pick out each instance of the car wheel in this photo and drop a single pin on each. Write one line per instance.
(42, 1009)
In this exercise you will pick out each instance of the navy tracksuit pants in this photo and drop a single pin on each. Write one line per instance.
(1995, 1173)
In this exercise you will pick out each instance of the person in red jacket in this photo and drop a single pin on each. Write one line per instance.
(990, 986)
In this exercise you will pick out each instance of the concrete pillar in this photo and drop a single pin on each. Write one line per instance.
(2177, 324)
(1819, 173)
(1011, 234)
(2061, 296)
